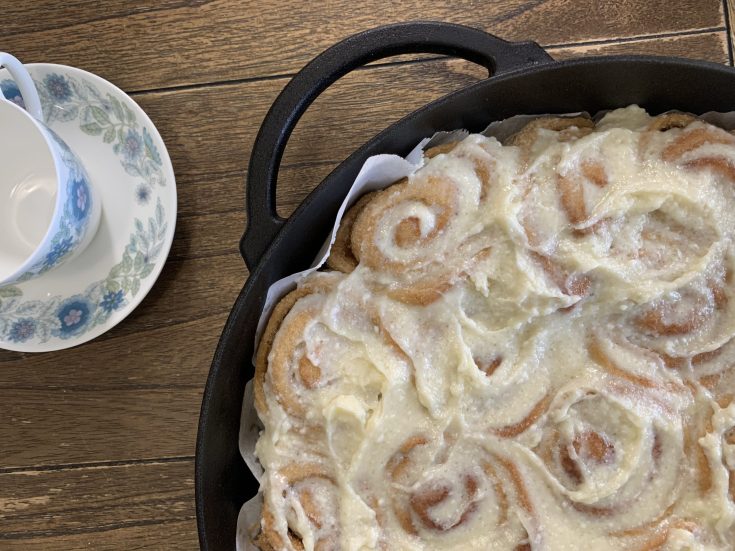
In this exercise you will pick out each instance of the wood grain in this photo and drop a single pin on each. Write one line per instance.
(28, 17)
(712, 46)
(201, 42)
(91, 425)
(80, 501)
(159, 362)
(729, 13)
(97, 442)
(208, 235)
(180, 535)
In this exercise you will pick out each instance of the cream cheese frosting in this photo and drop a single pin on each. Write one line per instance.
(535, 352)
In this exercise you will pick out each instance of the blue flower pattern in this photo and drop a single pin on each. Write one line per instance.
(112, 300)
(79, 199)
(73, 315)
(60, 249)
(58, 87)
(65, 99)
(132, 145)
(11, 92)
(75, 217)
(143, 194)
(22, 330)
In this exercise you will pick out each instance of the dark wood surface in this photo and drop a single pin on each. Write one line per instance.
(97, 442)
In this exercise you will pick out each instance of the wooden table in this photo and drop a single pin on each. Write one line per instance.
(97, 442)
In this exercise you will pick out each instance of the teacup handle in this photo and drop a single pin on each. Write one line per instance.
(25, 84)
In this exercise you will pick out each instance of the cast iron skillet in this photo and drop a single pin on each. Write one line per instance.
(524, 79)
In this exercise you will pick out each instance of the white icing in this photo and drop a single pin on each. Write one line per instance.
(535, 402)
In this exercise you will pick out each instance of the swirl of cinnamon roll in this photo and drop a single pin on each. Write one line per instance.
(714, 370)
(277, 365)
(550, 128)
(448, 490)
(701, 146)
(308, 494)
(593, 221)
(341, 257)
(695, 319)
(629, 233)
(612, 450)
(576, 184)
(417, 235)
(603, 457)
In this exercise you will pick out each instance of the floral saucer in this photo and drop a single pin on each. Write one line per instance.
(128, 164)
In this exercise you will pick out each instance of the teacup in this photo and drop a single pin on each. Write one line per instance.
(49, 211)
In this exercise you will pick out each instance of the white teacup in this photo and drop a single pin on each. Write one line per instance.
(49, 211)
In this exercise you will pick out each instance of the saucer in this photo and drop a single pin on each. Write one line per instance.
(128, 164)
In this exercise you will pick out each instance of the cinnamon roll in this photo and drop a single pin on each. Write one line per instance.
(341, 257)
(523, 346)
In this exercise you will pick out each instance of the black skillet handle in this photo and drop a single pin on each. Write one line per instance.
(474, 45)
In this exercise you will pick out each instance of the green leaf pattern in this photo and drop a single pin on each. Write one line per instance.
(106, 116)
